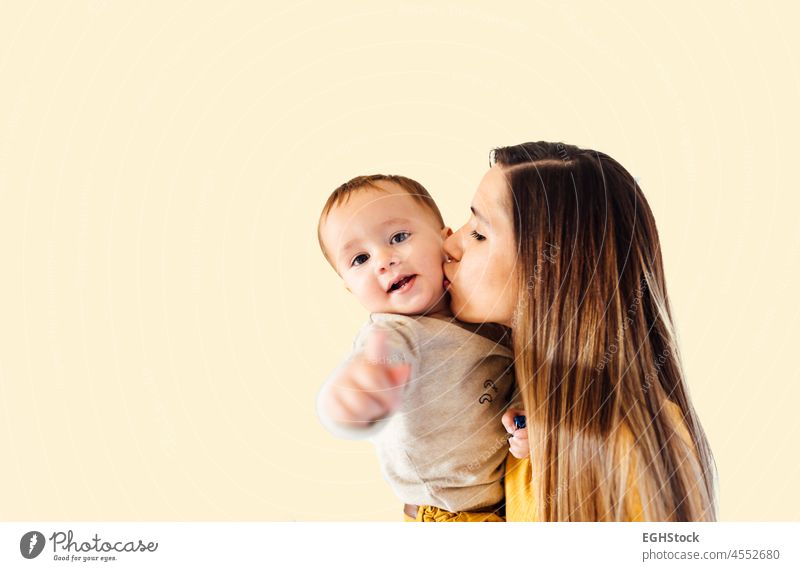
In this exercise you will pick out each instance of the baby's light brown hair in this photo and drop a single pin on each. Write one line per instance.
(343, 192)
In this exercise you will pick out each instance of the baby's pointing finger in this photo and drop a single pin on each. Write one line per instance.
(361, 404)
(398, 374)
(375, 347)
(370, 377)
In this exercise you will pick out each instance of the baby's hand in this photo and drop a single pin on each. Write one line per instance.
(518, 443)
(368, 387)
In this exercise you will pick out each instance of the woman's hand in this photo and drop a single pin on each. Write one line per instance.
(518, 443)
(368, 387)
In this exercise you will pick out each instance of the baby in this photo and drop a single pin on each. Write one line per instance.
(427, 390)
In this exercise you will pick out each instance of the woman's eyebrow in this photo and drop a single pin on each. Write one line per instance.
(478, 215)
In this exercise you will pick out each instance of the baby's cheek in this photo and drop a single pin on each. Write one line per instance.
(436, 272)
(436, 259)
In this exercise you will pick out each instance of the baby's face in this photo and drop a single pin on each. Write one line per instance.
(388, 250)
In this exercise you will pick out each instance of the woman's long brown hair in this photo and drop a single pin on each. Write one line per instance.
(596, 357)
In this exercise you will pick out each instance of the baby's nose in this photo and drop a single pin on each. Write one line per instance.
(386, 260)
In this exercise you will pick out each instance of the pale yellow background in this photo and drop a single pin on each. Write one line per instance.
(166, 317)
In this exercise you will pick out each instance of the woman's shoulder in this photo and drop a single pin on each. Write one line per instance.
(627, 442)
(519, 480)
(675, 417)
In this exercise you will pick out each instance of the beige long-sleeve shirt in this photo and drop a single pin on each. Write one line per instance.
(445, 445)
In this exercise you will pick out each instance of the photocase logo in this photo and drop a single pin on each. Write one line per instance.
(31, 544)
(95, 549)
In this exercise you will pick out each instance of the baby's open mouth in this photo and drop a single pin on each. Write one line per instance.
(401, 282)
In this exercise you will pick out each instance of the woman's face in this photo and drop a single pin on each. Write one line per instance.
(483, 253)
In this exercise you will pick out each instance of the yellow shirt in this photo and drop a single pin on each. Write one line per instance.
(520, 499)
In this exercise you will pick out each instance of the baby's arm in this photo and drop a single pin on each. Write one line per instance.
(363, 391)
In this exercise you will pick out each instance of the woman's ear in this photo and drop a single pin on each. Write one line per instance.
(446, 232)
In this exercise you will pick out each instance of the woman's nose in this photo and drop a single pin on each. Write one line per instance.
(452, 247)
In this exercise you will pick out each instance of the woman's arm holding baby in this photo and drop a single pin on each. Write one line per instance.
(365, 389)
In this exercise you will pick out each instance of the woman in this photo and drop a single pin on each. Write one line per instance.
(562, 248)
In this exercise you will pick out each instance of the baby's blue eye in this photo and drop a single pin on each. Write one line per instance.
(399, 237)
(360, 259)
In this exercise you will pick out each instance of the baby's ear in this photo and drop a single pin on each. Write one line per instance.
(446, 232)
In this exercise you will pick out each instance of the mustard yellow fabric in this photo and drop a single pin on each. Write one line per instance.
(434, 514)
(519, 490)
